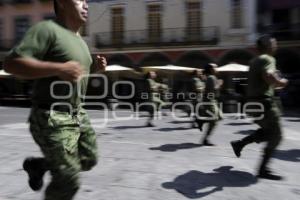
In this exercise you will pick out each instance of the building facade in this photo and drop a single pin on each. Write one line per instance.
(158, 32)
(166, 30)
(16, 16)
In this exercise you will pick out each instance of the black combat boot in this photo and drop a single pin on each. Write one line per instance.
(268, 174)
(35, 168)
(237, 147)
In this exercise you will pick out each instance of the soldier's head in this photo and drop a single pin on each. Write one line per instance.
(266, 44)
(72, 10)
(151, 75)
(210, 69)
(197, 73)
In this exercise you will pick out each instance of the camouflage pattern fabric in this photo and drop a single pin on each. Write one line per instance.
(68, 143)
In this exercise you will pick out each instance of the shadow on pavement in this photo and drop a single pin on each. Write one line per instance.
(181, 122)
(292, 155)
(172, 129)
(195, 184)
(245, 132)
(175, 147)
(128, 127)
(238, 124)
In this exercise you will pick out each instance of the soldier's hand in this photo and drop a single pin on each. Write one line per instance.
(100, 64)
(284, 82)
(70, 71)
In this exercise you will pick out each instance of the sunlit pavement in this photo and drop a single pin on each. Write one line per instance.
(158, 163)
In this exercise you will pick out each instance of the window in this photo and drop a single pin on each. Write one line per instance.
(194, 15)
(117, 25)
(1, 32)
(22, 24)
(154, 22)
(237, 15)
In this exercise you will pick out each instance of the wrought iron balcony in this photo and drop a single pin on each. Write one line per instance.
(165, 37)
(282, 33)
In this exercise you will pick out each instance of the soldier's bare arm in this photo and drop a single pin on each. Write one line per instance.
(273, 79)
(29, 68)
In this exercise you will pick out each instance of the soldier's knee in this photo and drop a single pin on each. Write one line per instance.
(71, 178)
(274, 142)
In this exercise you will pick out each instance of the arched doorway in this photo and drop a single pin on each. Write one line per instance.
(240, 56)
(120, 59)
(155, 59)
(195, 59)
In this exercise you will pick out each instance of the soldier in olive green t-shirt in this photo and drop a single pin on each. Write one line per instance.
(197, 89)
(54, 54)
(51, 41)
(262, 80)
(210, 113)
(155, 102)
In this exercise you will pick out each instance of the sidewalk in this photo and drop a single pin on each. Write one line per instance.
(160, 163)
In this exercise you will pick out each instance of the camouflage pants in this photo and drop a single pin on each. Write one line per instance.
(209, 112)
(270, 131)
(68, 144)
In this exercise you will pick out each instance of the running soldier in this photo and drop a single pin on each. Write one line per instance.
(263, 79)
(54, 54)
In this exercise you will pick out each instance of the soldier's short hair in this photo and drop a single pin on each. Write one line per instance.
(264, 42)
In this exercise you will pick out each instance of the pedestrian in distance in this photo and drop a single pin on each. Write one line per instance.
(262, 81)
(197, 88)
(209, 113)
(54, 54)
(154, 100)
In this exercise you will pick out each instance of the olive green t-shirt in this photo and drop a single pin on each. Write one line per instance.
(257, 86)
(50, 41)
(198, 85)
(153, 85)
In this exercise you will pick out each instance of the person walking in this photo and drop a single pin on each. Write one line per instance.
(155, 101)
(197, 89)
(210, 113)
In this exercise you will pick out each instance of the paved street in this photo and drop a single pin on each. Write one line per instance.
(160, 163)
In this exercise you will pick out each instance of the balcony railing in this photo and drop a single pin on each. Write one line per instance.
(283, 34)
(286, 35)
(167, 37)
